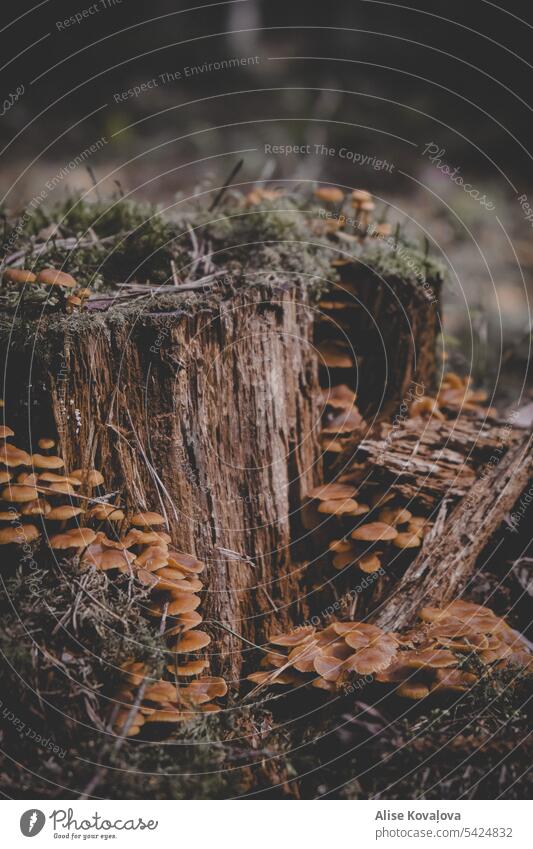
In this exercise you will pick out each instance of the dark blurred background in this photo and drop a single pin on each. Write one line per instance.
(380, 79)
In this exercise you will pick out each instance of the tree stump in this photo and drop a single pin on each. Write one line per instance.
(205, 407)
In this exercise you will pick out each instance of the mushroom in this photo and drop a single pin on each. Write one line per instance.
(106, 512)
(9, 515)
(374, 532)
(19, 493)
(63, 513)
(18, 535)
(192, 641)
(147, 520)
(41, 461)
(6, 432)
(194, 667)
(39, 507)
(53, 277)
(333, 491)
(11, 456)
(338, 506)
(46, 444)
(19, 275)
(63, 488)
(394, 515)
(185, 562)
(103, 558)
(369, 563)
(329, 194)
(360, 196)
(407, 540)
(51, 477)
(75, 538)
(88, 477)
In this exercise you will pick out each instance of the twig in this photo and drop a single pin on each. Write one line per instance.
(235, 170)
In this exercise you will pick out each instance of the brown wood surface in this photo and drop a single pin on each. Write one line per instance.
(449, 554)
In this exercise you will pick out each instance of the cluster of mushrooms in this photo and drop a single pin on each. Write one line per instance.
(71, 512)
(429, 659)
(321, 657)
(164, 701)
(365, 535)
(72, 296)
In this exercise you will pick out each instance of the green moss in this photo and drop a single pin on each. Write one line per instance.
(107, 245)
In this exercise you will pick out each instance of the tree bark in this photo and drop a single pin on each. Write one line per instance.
(208, 416)
(393, 331)
(449, 553)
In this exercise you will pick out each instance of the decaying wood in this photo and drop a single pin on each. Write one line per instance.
(449, 554)
(208, 416)
(393, 328)
(431, 460)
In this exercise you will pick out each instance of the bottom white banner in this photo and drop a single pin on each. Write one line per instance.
(264, 824)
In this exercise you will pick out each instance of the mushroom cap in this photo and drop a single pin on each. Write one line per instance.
(138, 537)
(340, 546)
(18, 493)
(333, 492)
(152, 558)
(28, 478)
(344, 558)
(6, 432)
(329, 194)
(454, 680)
(407, 540)
(106, 512)
(147, 520)
(338, 506)
(360, 196)
(46, 444)
(89, 477)
(413, 690)
(9, 515)
(44, 461)
(10, 455)
(180, 603)
(183, 622)
(75, 538)
(395, 515)
(187, 563)
(369, 563)
(192, 641)
(374, 531)
(104, 558)
(18, 535)
(434, 658)
(54, 277)
(19, 275)
(63, 488)
(5, 477)
(194, 667)
(51, 477)
(39, 507)
(63, 512)
(214, 687)
(168, 715)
